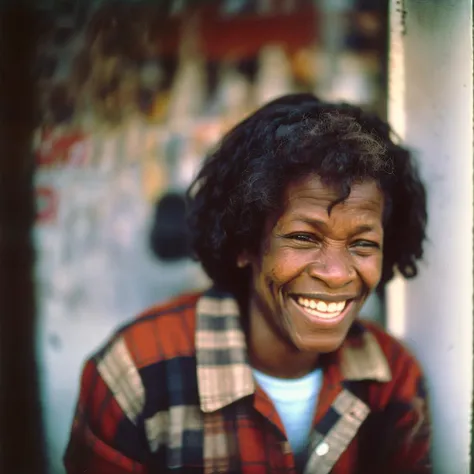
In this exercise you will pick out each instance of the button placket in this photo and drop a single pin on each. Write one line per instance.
(322, 449)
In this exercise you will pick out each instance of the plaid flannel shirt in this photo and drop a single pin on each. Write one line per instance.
(173, 392)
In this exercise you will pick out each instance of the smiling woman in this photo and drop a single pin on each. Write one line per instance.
(326, 263)
(302, 210)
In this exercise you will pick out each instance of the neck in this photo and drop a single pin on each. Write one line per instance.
(272, 355)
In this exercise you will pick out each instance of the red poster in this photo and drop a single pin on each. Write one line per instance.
(60, 151)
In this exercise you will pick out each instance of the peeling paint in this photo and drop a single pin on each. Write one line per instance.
(401, 12)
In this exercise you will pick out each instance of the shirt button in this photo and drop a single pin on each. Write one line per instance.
(322, 449)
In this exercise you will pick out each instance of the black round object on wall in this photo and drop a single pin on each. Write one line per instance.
(169, 234)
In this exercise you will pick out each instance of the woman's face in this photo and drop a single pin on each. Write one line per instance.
(315, 270)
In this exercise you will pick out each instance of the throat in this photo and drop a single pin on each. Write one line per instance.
(270, 353)
(282, 366)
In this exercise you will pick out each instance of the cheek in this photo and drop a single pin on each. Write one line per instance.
(370, 269)
(283, 266)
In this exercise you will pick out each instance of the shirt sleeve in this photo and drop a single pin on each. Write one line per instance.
(103, 439)
(407, 421)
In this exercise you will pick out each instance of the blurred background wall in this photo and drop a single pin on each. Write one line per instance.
(431, 108)
(133, 94)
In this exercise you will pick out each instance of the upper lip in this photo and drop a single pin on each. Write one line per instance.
(324, 296)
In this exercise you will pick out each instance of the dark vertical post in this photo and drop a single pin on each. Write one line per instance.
(21, 435)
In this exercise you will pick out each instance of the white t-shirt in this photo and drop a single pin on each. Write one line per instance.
(295, 402)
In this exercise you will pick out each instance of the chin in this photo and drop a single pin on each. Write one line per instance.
(319, 344)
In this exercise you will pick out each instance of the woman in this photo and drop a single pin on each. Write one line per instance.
(298, 215)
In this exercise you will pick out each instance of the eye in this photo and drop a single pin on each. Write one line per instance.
(366, 243)
(365, 247)
(301, 238)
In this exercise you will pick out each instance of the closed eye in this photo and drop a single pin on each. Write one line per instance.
(366, 243)
(301, 237)
(365, 246)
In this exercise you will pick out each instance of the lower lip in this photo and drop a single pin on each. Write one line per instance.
(329, 322)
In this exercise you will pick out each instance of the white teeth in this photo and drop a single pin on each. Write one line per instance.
(321, 308)
(319, 314)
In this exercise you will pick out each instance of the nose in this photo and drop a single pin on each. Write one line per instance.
(333, 266)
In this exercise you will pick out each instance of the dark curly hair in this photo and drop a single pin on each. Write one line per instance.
(244, 179)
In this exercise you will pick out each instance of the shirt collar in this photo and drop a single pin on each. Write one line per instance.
(223, 372)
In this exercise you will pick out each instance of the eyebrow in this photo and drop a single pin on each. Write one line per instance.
(360, 229)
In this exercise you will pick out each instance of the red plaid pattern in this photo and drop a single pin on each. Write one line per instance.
(173, 392)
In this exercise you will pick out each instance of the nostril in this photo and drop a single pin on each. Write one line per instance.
(332, 267)
(334, 274)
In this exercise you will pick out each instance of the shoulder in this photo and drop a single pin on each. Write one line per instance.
(161, 332)
(395, 351)
(136, 363)
(406, 378)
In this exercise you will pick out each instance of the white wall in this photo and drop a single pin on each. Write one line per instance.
(431, 106)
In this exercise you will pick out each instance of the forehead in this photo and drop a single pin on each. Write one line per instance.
(311, 195)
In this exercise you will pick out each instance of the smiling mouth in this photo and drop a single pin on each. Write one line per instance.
(320, 308)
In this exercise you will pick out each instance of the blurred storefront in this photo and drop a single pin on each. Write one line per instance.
(133, 94)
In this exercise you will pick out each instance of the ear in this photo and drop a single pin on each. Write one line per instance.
(243, 259)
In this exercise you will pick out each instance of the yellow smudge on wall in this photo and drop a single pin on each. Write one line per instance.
(154, 180)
